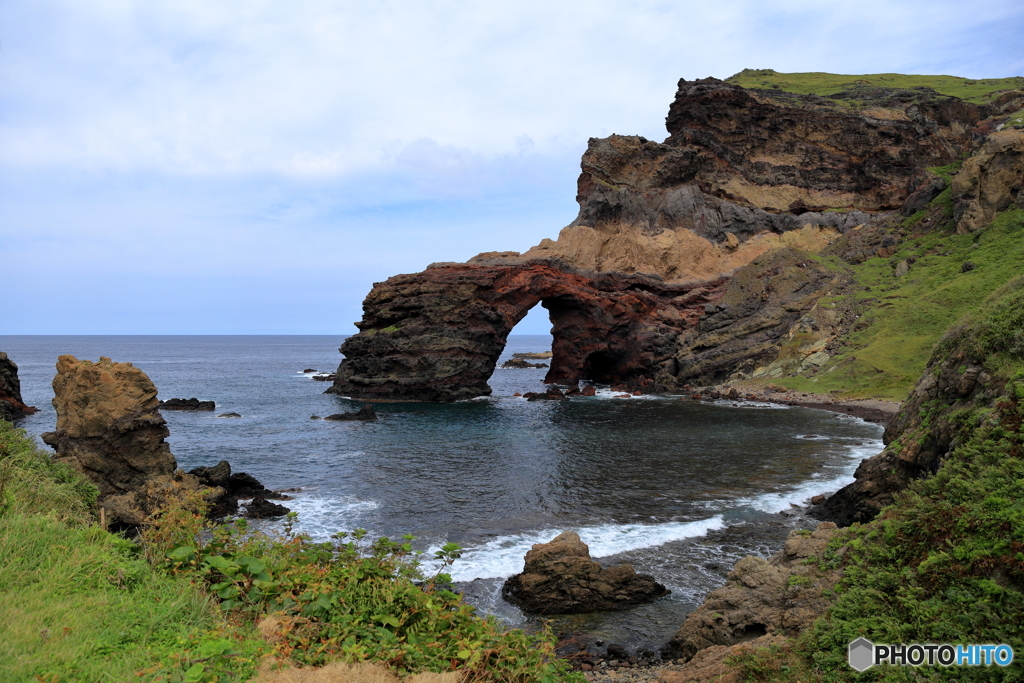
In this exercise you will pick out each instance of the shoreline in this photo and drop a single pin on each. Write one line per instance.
(874, 410)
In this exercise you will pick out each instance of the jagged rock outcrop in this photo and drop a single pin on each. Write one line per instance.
(110, 429)
(11, 406)
(238, 486)
(661, 229)
(990, 181)
(560, 578)
(779, 596)
(767, 322)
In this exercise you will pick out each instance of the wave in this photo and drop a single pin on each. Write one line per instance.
(502, 557)
(821, 483)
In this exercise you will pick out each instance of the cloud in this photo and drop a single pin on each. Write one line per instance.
(283, 156)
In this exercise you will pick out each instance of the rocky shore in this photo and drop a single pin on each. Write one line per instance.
(869, 409)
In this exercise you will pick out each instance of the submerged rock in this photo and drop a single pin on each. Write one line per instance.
(11, 406)
(364, 414)
(560, 578)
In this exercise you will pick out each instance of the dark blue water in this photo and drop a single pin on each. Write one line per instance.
(679, 489)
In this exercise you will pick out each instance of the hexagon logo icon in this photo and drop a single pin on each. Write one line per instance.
(861, 654)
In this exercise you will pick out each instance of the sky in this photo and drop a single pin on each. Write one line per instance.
(208, 167)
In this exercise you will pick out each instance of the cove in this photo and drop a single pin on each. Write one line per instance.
(681, 489)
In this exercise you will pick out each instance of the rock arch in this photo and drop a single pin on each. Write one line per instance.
(437, 335)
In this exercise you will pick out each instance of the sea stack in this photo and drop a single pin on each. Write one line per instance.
(110, 429)
(11, 405)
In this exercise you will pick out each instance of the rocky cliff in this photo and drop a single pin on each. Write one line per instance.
(11, 406)
(690, 259)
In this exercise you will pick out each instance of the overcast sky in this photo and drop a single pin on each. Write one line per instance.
(204, 167)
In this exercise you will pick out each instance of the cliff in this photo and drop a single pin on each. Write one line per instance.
(698, 259)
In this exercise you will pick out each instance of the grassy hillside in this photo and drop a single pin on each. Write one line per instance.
(978, 91)
(901, 318)
(945, 563)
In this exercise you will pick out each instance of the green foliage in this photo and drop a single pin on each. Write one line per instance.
(80, 604)
(901, 319)
(354, 600)
(817, 83)
(31, 483)
(946, 562)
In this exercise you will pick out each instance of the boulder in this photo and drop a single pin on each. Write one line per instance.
(188, 404)
(110, 429)
(364, 414)
(229, 415)
(559, 577)
(11, 406)
(779, 596)
(261, 508)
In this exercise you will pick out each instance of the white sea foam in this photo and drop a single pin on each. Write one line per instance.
(321, 516)
(820, 483)
(503, 556)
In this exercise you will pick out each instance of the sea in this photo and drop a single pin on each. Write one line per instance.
(680, 489)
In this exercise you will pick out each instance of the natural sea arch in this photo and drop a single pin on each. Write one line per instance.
(437, 335)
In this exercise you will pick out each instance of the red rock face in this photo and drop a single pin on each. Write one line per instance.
(437, 335)
(739, 169)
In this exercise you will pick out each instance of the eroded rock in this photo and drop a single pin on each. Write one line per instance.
(110, 429)
(989, 181)
(11, 406)
(560, 578)
(779, 596)
(187, 404)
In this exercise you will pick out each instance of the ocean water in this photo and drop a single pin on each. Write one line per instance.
(680, 489)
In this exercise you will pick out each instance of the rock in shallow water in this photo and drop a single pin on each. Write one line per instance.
(364, 414)
(187, 404)
(560, 578)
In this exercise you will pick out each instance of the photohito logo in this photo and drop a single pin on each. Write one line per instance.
(862, 654)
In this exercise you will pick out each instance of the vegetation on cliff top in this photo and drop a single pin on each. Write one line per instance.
(80, 604)
(980, 91)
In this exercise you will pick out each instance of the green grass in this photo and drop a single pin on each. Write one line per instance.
(80, 604)
(816, 83)
(902, 319)
(945, 562)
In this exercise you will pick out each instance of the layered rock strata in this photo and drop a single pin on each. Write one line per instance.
(560, 578)
(637, 286)
(11, 405)
(437, 335)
